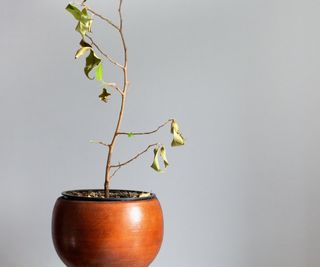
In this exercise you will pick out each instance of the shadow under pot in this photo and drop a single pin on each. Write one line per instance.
(90, 232)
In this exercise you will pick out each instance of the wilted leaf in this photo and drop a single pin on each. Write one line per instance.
(155, 164)
(84, 21)
(85, 17)
(163, 154)
(81, 16)
(84, 48)
(75, 12)
(177, 139)
(174, 126)
(130, 134)
(104, 95)
(92, 61)
(177, 136)
(83, 28)
(99, 72)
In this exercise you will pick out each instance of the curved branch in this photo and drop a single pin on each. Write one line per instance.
(135, 157)
(103, 53)
(144, 133)
(109, 21)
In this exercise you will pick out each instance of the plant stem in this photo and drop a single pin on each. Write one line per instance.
(123, 101)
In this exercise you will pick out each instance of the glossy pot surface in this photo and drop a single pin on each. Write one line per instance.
(111, 233)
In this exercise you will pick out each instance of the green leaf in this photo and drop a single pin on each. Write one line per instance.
(155, 164)
(75, 12)
(99, 72)
(81, 16)
(131, 134)
(83, 28)
(92, 61)
(83, 49)
(178, 139)
(84, 22)
(104, 95)
(163, 154)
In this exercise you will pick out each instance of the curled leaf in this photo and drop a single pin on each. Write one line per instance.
(84, 23)
(178, 139)
(92, 61)
(83, 28)
(155, 164)
(83, 18)
(163, 154)
(104, 95)
(99, 72)
(74, 11)
(174, 126)
(84, 47)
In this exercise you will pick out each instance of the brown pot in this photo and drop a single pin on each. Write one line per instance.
(107, 233)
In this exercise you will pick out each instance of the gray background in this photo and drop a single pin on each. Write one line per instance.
(242, 79)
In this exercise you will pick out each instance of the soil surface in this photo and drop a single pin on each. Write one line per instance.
(113, 194)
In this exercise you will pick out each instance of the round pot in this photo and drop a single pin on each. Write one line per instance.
(110, 232)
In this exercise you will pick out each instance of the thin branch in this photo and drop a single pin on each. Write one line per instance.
(103, 53)
(114, 86)
(115, 171)
(135, 157)
(144, 133)
(109, 21)
(120, 15)
(98, 143)
(122, 36)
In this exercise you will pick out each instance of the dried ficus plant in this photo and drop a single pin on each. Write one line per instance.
(83, 14)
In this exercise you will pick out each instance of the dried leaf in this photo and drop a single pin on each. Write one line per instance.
(174, 126)
(178, 139)
(104, 95)
(92, 61)
(85, 23)
(84, 47)
(155, 164)
(83, 28)
(75, 12)
(163, 154)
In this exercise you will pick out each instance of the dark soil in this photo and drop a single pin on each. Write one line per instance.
(118, 194)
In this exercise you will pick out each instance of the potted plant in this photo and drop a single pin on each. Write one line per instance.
(110, 228)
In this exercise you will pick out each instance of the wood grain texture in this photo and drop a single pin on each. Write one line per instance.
(107, 233)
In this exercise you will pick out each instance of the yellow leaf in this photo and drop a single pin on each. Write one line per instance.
(174, 126)
(177, 136)
(163, 154)
(155, 164)
(81, 51)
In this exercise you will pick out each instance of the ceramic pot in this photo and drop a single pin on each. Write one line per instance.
(107, 232)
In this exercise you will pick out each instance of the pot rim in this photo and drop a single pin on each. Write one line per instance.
(67, 195)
